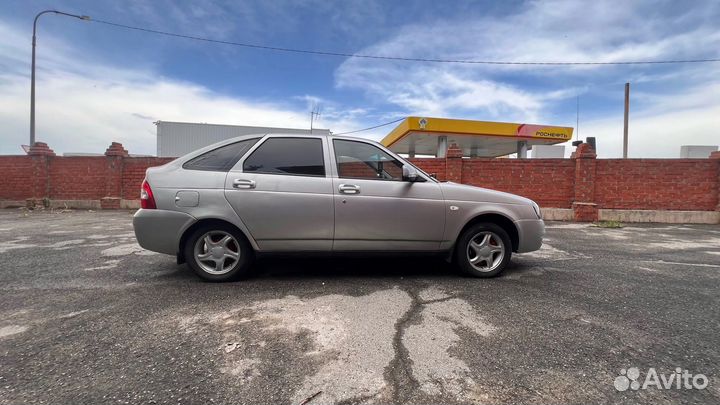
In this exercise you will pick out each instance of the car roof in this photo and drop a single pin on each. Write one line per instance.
(289, 135)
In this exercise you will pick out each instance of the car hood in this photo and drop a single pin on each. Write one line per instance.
(464, 192)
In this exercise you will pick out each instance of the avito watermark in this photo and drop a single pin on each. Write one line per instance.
(679, 379)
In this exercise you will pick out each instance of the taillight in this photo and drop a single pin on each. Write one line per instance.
(147, 201)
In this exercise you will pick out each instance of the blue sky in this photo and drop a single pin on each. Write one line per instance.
(98, 83)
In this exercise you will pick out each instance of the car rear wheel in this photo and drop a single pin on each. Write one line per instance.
(218, 253)
(483, 250)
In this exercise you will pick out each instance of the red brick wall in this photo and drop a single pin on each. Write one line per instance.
(549, 182)
(669, 184)
(73, 178)
(134, 173)
(77, 178)
(431, 166)
(585, 184)
(357, 170)
(651, 184)
(15, 177)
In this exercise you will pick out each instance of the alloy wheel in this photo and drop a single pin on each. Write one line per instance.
(217, 252)
(485, 251)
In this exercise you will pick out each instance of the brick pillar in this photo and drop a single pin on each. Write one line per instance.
(41, 156)
(453, 164)
(716, 157)
(114, 156)
(584, 207)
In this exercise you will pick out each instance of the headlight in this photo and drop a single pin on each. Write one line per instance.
(537, 210)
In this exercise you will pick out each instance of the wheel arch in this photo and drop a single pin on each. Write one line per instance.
(205, 222)
(500, 220)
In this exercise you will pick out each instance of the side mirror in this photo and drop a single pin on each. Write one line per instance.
(409, 173)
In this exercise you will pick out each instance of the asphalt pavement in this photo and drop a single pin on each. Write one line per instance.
(88, 317)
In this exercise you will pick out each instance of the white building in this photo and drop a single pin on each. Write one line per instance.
(697, 151)
(178, 138)
(548, 151)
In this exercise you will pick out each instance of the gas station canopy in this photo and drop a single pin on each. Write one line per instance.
(431, 136)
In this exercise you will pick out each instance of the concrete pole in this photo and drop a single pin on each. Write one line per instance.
(522, 149)
(32, 86)
(442, 147)
(473, 151)
(411, 149)
(625, 125)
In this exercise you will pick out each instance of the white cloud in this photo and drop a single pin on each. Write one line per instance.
(675, 105)
(604, 31)
(76, 113)
(438, 91)
(83, 105)
(441, 93)
(691, 117)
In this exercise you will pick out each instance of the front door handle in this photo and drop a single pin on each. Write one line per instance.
(242, 183)
(349, 189)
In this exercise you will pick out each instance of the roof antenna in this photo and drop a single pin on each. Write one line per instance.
(315, 112)
(577, 118)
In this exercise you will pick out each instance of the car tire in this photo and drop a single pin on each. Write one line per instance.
(218, 252)
(483, 250)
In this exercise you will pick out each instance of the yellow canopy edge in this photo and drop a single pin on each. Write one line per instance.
(469, 127)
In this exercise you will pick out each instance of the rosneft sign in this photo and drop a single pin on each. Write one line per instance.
(541, 131)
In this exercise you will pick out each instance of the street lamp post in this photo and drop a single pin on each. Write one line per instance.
(32, 75)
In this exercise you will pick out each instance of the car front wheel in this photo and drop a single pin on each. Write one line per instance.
(218, 253)
(483, 250)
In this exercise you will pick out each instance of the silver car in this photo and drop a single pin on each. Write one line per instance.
(220, 207)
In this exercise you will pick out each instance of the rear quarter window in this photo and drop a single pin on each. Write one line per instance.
(221, 159)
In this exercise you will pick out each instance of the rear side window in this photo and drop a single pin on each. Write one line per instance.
(222, 158)
(295, 156)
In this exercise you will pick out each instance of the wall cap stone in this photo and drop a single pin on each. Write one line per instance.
(585, 151)
(454, 151)
(40, 149)
(116, 149)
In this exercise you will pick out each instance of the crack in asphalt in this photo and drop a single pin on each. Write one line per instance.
(357, 400)
(399, 373)
(425, 302)
(404, 368)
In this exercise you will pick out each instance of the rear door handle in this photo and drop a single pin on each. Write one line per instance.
(349, 189)
(242, 183)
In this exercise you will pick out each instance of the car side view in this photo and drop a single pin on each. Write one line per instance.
(221, 206)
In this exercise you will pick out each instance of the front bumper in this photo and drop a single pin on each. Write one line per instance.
(160, 230)
(530, 234)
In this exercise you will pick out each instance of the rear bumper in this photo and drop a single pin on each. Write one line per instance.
(160, 230)
(530, 234)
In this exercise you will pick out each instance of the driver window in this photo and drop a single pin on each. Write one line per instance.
(359, 160)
